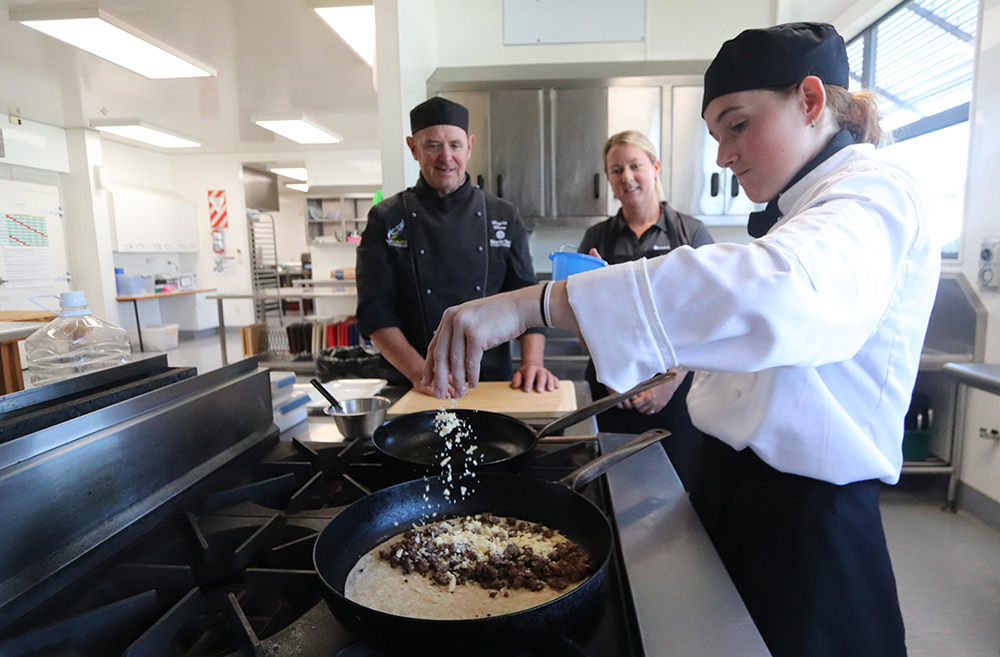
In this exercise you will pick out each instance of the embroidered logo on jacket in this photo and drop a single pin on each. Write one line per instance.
(500, 234)
(394, 237)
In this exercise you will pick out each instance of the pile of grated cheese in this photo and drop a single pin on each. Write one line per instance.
(484, 540)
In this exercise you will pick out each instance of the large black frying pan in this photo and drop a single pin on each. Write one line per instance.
(383, 514)
(412, 444)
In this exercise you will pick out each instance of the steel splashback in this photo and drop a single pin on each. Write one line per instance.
(35, 409)
(76, 493)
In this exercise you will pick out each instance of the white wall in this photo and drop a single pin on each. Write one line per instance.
(981, 461)
(131, 165)
(471, 34)
(290, 227)
(193, 175)
(360, 166)
(406, 55)
(34, 145)
(88, 224)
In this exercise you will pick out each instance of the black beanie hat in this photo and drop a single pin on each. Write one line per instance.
(438, 111)
(776, 57)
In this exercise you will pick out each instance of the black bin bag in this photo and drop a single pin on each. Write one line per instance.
(357, 363)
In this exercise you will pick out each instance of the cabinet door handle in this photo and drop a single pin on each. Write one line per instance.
(734, 187)
(500, 185)
(480, 181)
(597, 185)
(715, 185)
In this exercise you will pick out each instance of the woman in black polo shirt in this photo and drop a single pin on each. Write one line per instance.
(645, 227)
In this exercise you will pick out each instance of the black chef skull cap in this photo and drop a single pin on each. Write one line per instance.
(438, 111)
(776, 57)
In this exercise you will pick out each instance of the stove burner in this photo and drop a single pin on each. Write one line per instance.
(234, 576)
(301, 480)
(202, 587)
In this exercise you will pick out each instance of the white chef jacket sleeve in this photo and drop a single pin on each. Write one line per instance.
(809, 292)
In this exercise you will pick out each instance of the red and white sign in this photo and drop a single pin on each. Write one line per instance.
(217, 216)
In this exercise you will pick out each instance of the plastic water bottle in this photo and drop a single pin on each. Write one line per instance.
(74, 343)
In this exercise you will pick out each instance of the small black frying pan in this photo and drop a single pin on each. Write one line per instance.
(414, 446)
(383, 514)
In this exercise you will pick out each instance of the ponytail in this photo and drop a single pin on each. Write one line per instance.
(857, 113)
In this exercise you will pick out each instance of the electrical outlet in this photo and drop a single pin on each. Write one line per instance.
(989, 434)
(989, 263)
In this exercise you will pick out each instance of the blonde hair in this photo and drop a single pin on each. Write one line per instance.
(857, 113)
(639, 140)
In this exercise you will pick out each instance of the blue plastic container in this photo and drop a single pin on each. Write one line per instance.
(565, 264)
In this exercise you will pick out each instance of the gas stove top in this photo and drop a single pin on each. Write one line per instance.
(169, 519)
(233, 573)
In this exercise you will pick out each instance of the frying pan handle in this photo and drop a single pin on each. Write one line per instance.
(602, 405)
(599, 466)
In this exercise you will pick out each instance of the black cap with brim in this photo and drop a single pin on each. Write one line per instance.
(777, 57)
(438, 111)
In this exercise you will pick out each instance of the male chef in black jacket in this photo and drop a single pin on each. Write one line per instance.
(438, 244)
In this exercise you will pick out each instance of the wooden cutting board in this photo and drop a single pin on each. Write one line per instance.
(498, 397)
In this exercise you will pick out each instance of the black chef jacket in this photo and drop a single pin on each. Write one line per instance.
(422, 253)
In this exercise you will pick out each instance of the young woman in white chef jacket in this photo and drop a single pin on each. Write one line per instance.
(806, 341)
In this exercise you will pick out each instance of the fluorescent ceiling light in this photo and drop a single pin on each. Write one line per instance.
(299, 187)
(139, 131)
(295, 173)
(355, 25)
(91, 28)
(300, 130)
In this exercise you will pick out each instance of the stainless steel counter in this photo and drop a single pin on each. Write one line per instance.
(684, 599)
(321, 428)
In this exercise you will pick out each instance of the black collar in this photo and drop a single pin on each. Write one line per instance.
(761, 222)
(622, 225)
(429, 197)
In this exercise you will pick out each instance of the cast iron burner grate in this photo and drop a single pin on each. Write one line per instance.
(299, 479)
(201, 587)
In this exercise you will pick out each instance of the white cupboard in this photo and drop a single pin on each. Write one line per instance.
(146, 220)
(698, 185)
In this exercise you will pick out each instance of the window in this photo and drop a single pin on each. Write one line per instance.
(919, 59)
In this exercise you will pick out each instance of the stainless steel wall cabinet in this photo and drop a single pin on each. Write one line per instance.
(540, 147)
(539, 143)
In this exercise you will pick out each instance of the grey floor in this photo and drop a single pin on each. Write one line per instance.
(947, 564)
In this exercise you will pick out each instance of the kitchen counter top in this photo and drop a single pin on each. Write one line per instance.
(984, 376)
(684, 599)
(18, 330)
(321, 428)
(160, 295)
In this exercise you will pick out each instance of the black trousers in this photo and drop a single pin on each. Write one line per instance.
(808, 557)
(683, 445)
